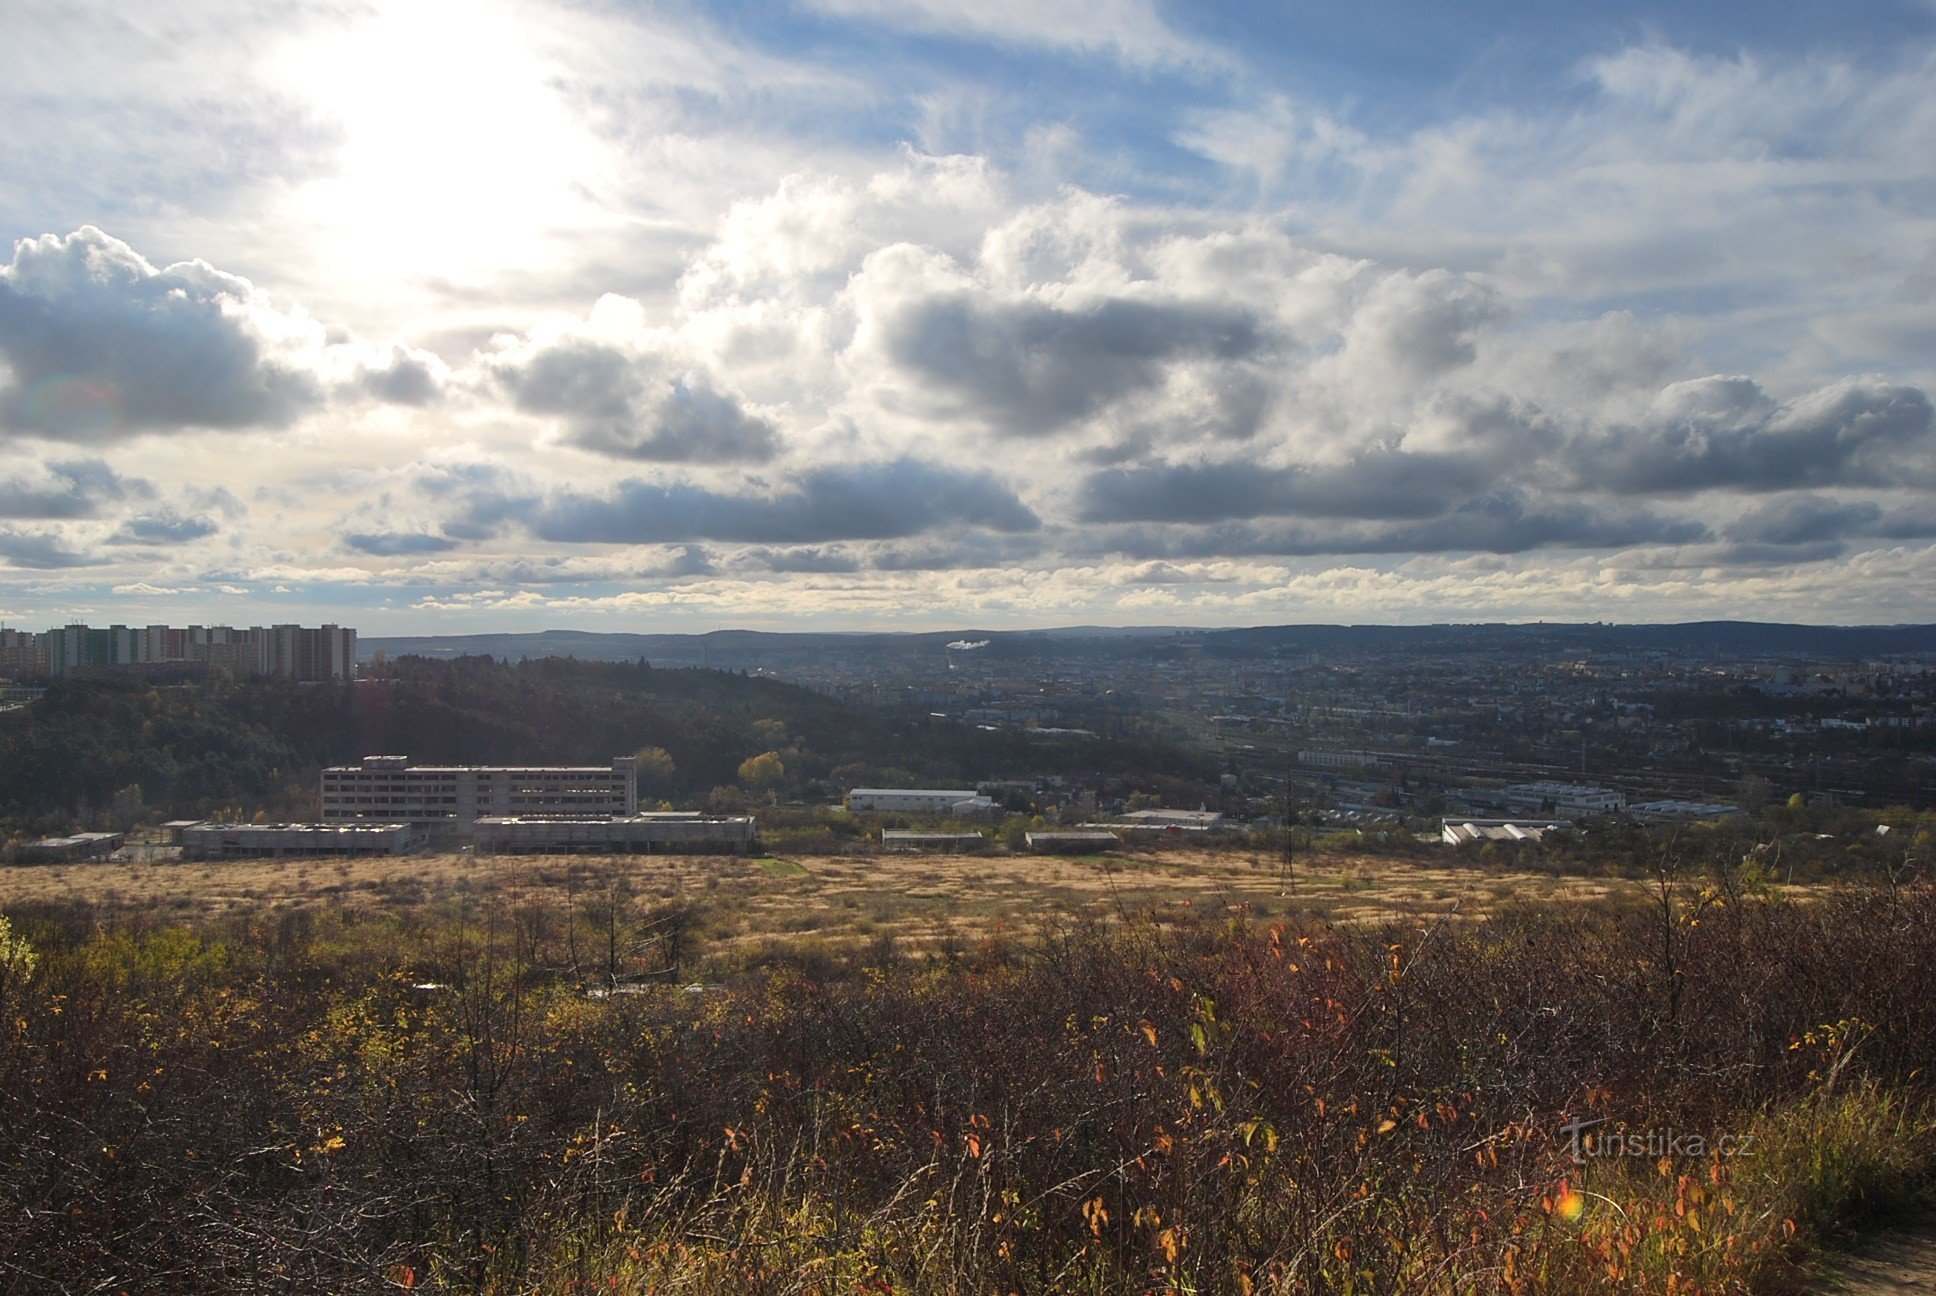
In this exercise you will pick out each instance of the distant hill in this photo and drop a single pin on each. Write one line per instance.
(227, 747)
(747, 648)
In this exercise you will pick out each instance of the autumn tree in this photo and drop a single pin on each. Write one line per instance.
(766, 770)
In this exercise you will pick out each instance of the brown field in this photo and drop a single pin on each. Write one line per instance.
(918, 901)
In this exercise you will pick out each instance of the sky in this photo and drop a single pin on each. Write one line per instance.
(433, 316)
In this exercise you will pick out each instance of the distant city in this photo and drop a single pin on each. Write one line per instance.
(1473, 733)
(1477, 721)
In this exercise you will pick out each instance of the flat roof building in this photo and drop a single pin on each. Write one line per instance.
(77, 846)
(956, 803)
(205, 841)
(1172, 820)
(1083, 841)
(673, 832)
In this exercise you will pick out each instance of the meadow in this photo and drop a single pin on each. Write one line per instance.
(832, 902)
(1158, 1073)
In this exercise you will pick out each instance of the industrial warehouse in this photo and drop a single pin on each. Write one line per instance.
(955, 803)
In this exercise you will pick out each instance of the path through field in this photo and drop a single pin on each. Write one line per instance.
(1901, 1262)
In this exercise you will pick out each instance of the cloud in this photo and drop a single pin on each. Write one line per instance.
(1804, 519)
(101, 344)
(1130, 30)
(144, 589)
(1423, 325)
(1025, 364)
(163, 527)
(1806, 527)
(615, 393)
(64, 489)
(1268, 137)
(393, 544)
(45, 550)
(1725, 432)
(402, 376)
(1502, 522)
(803, 558)
(1378, 485)
(913, 376)
(874, 501)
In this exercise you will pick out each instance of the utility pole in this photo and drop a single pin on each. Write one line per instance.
(1287, 866)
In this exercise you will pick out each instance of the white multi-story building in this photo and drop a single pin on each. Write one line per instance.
(448, 800)
(957, 803)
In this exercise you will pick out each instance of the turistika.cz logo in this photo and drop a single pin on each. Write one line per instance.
(1586, 1140)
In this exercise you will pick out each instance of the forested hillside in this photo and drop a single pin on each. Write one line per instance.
(117, 748)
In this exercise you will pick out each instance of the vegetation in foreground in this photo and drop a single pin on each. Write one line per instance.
(485, 1101)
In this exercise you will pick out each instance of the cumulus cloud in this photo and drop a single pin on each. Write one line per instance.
(61, 489)
(922, 374)
(615, 391)
(101, 343)
(404, 376)
(1423, 325)
(1028, 365)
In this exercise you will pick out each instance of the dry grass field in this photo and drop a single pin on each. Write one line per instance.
(918, 901)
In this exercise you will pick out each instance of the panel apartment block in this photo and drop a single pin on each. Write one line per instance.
(311, 654)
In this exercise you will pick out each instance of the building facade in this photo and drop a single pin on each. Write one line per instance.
(448, 800)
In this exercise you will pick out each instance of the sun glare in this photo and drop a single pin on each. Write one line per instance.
(458, 151)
